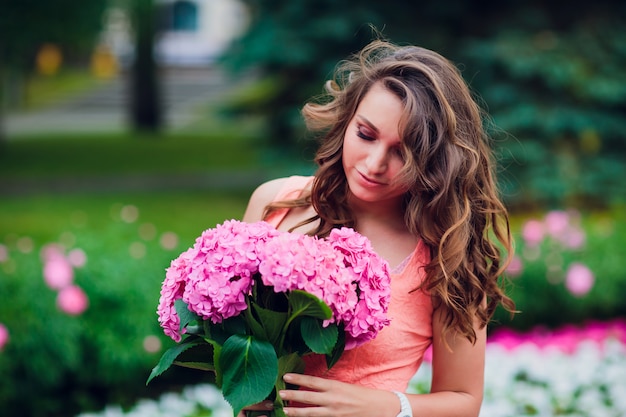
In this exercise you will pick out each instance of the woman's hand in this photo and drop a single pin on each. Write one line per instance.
(324, 397)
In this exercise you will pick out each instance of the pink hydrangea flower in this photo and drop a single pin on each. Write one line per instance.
(215, 276)
(301, 262)
(72, 300)
(171, 290)
(372, 284)
(342, 270)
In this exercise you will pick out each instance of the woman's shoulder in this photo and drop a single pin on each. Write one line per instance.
(272, 190)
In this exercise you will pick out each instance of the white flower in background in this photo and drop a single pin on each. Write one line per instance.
(539, 375)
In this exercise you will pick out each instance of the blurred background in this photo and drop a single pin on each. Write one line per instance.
(127, 127)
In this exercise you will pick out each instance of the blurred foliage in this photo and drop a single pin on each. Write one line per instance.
(104, 355)
(295, 45)
(25, 25)
(110, 155)
(541, 291)
(99, 358)
(549, 74)
(68, 26)
(561, 95)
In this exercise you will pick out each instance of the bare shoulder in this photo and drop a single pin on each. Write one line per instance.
(261, 197)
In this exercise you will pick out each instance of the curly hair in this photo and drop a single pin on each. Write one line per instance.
(452, 202)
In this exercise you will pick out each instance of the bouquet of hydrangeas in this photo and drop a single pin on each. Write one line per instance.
(252, 301)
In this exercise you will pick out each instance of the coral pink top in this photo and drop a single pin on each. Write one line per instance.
(393, 357)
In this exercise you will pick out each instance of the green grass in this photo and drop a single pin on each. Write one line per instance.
(115, 154)
(179, 182)
(47, 218)
(41, 91)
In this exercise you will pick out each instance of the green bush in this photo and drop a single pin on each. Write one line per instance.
(57, 364)
(541, 289)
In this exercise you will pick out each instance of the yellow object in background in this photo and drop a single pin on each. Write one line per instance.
(103, 62)
(49, 59)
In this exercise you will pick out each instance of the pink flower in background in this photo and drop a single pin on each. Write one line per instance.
(573, 238)
(57, 272)
(566, 339)
(51, 250)
(72, 300)
(151, 344)
(4, 253)
(169, 240)
(533, 232)
(4, 336)
(579, 279)
(515, 267)
(557, 222)
(77, 258)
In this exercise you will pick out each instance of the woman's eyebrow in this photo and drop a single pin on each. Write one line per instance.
(364, 120)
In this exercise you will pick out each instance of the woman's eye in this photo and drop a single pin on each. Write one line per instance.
(360, 133)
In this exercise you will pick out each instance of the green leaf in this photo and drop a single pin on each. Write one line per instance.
(337, 351)
(170, 356)
(186, 316)
(202, 366)
(306, 304)
(286, 363)
(220, 332)
(318, 338)
(256, 327)
(272, 322)
(235, 325)
(217, 351)
(199, 356)
(250, 368)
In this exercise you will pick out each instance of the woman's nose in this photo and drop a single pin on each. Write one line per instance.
(377, 160)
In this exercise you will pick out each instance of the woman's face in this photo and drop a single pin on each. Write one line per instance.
(372, 148)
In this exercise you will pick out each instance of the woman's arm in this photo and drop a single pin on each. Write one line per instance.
(457, 386)
(458, 375)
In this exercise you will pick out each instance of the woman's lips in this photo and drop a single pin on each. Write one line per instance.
(368, 181)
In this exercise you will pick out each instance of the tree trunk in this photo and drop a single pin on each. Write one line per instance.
(145, 102)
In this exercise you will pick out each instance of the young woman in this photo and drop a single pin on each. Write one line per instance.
(405, 161)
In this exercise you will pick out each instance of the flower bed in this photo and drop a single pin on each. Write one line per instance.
(571, 371)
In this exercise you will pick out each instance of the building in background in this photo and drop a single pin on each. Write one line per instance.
(191, 32)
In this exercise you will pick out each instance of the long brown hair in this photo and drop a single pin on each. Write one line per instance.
(452, 202)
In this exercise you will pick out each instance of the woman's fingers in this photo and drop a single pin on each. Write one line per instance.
(311, 382)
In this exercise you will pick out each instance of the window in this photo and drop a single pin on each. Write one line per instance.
(184, 16)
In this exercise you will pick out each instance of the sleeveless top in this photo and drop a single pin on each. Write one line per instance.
(390, 360)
